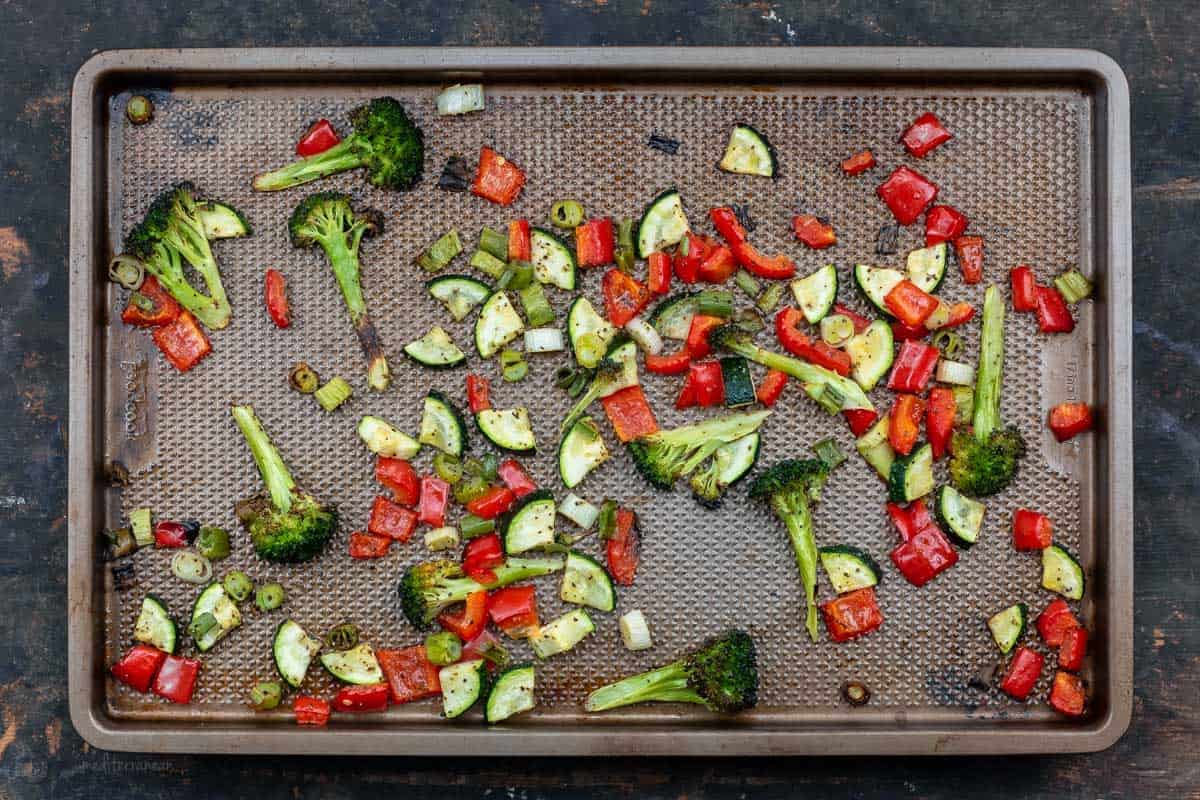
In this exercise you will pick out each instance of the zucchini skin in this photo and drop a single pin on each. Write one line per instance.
(771, 153)
(455, 413)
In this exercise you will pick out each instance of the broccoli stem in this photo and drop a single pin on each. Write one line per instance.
(339, 158)
(667, 684)
(798, 519)
(166, 267)
(343, 259)
(991, 366)
(809, 374)
(274, 471)
(198, 252)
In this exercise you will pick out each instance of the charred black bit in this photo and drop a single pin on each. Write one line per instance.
(118, 543)
(985, 678)
(117, 474)
(124, 576)
(456, 175)
(191, 529)
(742, 213)
(856, 693)
(888, 241)
(664, 143)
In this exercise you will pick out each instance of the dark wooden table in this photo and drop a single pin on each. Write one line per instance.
(1157, 43)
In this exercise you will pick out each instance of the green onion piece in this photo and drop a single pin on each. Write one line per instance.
(770, 298)
(828, 451)
(472, 466)
(606, 523)
(625, 255)
(566, 214)
(333, 394)
(303, 378)
(964, 404)
(748, 320)
(509, 356)
(589, 349)
(127, 271)
(494, 243)
(213, 542)
(537, 308)
(441, 252)
(269, 597)
(238, 585)
(506, 277)
(494, 653)
(828, 398)
(582, 381)
(343, 637)
(443, 648)
(202, 624)
(1073, 286)
(143, 529)
(522, 274)
(471, 526)
(471, 488)
(488, 264)
(491, 466)
(191, 567)
(747, 283)
(564, 377)
(139, 110)
(265, 696)
(948, 342)
(516, 372)
(449, 468)
(715, 303)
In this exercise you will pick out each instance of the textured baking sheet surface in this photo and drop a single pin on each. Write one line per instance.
(1014, 167)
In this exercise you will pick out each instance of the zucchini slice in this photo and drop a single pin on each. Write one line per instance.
(562, 634)
(672, 318)
(293, 650)
(213, 600)
(441, 425)
(497, 325)
(582, 319)
(435, 350)
(580, 452)
(849, 568)
(508, 429)
(748, 153)
(511, 694)
(735, 460)
(586, 583)
(875, 283)
(960, 515)
(531, 523)
(875, 448)
(739, 387)
(460, 294)
(1008, 627)
(154, 625)
(462, 686)
(662, 224)
(356, 665)
(552, 261)
(221, 221)
(871, 353)
(816, 293)
(382, 439)
(927, 267)
(911, 476)
(1062, 573)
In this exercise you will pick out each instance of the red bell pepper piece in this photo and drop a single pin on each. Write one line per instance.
(1023, 673)
(138, 667)
(1068, 695)
(1052, 312)
(969, 250)
(492, 503)
(690, 255)
(515, 477)
(1055, 621)
(594, 243)
(624, 549)
(170, 534)
(431, 508)
(176, 679)
(409, 674)
(468, 622)
(1070, 419)
(910, 303)
(391, 520)
(658, 273)
(920, 516)
(275, 296)
(1024, 289)
(1031, 530)
(939, 419)
(671, 364)
(310, 711)
(852, 615)
(960, 314)
(904, 426)
(703, 386)
(777, 268)
(497, 179)
(150, 306)
(514, 610)
(717, 266)
(787, 330)
(925, 556)
(902, 332)
(369, 545)
(858, 163)
(728, 225)
(371, 697)
(483, 645)
(924, 135)
(478, 393)
(1073, 649)
(861, 323)
(697, 338)
(624, 297)
(907, 194)
(520, 245)
(630, 414)
(903, 521)
(914, 366)
(944, 224)
(860, 420)
(182, 341)
(771, 387)
(319, 137)
(398, 475)
(813, 231)
(481, 556)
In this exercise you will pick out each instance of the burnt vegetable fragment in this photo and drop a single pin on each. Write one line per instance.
(119, 543)
(124, 576)
(664, 143)
(456, 175)
(856, 693)
(888, 240)
(343, 637)
(303, 378)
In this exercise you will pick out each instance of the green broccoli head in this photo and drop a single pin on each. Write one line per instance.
(429, 588)
(706, 485)
(792, 482)
(174, 204)
(981, 468)
(666, 456)
(298, 534)
(327, 218)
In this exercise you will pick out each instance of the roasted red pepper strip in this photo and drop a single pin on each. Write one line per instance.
(514, 610)
(728, 225)
(939, 419)
(468, 622)
(319, 137)
(492, 503)
(924, 557)
(969, 250)
(478, 393)
(516, 478)
(852, 615)
(520, 245)
(169, 534)
(960, 313)
(1052, 312)
(658, 273)
(398, 475)
(1073, 649)
(162, 306)
(777, 268)
(630, 414)
(944, 224)
(861, 323)
(1055, 621)
(391, 520)
(697, 338)
(813, 231)
(409, 674)
(858, 163)
(771, 386)
(275, 296)
(371, 697)
(624, 548)
(182, 341)
(787, 330)
(903, 521)
(1068, 695)
(672, 364)
(717, 266)
(904, 427)
(369, 545)
(907, 194)
(594, 243)
(926, 133)
(703, 386)
(624, 297)
(139, 666)
(860, 420)
(310, 711)
(431, 508)
(480, 647)
(910, 304)
(497, 179)
(1068, 420)
(1024, 289)
(691, 254)
(176, 679)
(914, 366)
(481, 556)
(1023, 673)
(1031, 530)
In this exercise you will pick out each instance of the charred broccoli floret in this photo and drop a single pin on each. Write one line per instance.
(429, 588)
(286, 524)
(790, 487)
(722, 675)
(177, 230)
(385, 141)
(327, 219)
(666, 456)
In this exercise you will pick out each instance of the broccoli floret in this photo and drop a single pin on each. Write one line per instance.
(327, 219)
(616, 371)
(177, 230)
(722, 675)
(666, 456)
(791, 487)
(385, 141)
(429, 588)
(286, 524)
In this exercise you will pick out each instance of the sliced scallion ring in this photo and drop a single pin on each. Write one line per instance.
(191, 567)
(127, 271)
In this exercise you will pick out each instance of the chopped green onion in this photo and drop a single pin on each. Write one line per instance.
(443, 648)
(494, 243)
(516, 372)
(748, 320)
(715, 303)
(471, 488)
(955, 372)
(303, 378)
(201, 625)
(443, 538)
(506, 277)
(589, 349)
(746, 282)
(948, 342)
(770, 298)
(566, 214)
(522, 274)
(238, 585)
(606, 523)
(490, 466)
(472, 526)
(564, 377)
(269, 597)
(127, 271)
(191, 567)
(488, 264)
(333, 394)
(538, 312)
(266, 695)
(494, 653)
(448, 467)
(461, 98)
(964, 404)
(213, 542)
(1073, 286)
(143, 529)
(441, 252)
(582, 380)
(836, 329)
(625, 255)
(509, 357)
(828, 398)
(343, 637)
(544, 340)
(139, 110)
(645, 335)
(828, 451)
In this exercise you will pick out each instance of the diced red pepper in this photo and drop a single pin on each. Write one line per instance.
(852, 615)
(920, 516)
(813, 231)
(969, 250)
(1024, 289)
(671, 364)
(1073, 649)
(391, 520)
(481, 646)
(162, 306)
(520, 244)
(1068, 420)
(594, 243)
(170, 534)
(861, 323)
(497, 179)
(925, 556)
(697, 338)
(319, 137)
(371, 697)
(1055, 621)
(858, 163)
(176, 679)
(717, 266)
(481, 556)
(924, 135)
(492, 503)
(914, 366)
(728, 225)
(1031, 530)
(690, 255)
(771, 387)
(1023, 673)
(787, 330)
(310, 711)
(907, 194)
(515, 477)
(902, 519)
(138, 667)
(902, 332)
(624, 549)
(960, 314)
(939, 419)
(624, 297)
(409, 673)
(658, 273)
(630, 414)
(369, 545)
(911, 304)
(944, 224)
(1068, 695)
(275, 296)
(468, 622)
(777, 268)
(860, 420)
(182, 341)
(397, 475)
(514, 610)
(703, 387)
(431, 508)
(904, 426)
(478, 393)
(1052, 312)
